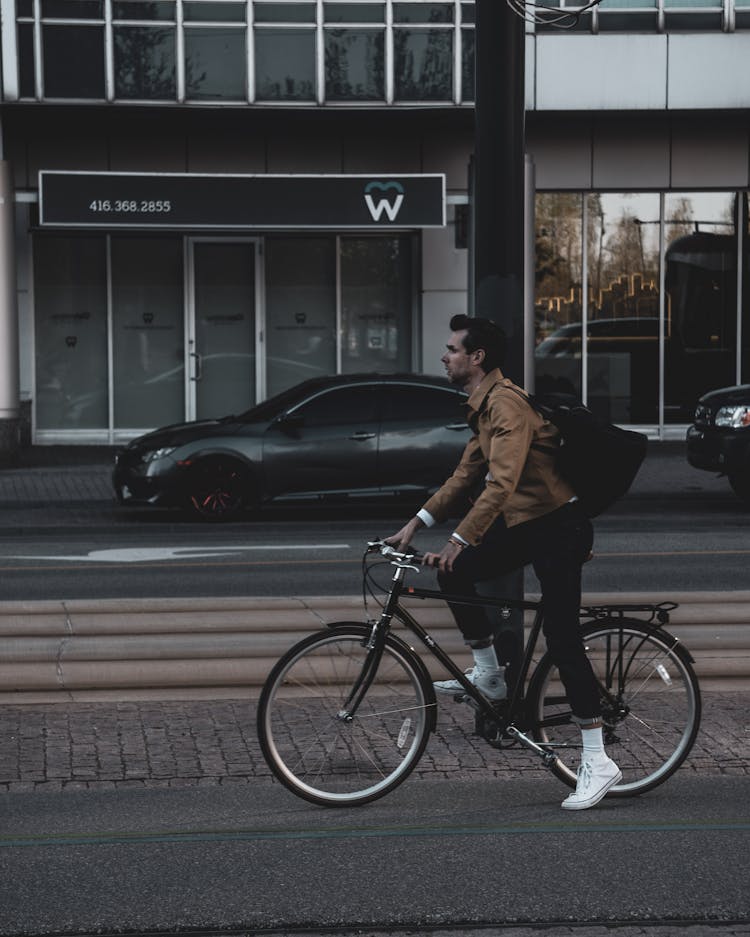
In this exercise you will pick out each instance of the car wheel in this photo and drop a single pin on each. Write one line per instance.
(218, 489)
(741, 486)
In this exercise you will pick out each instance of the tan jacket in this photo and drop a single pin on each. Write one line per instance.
(521, 483)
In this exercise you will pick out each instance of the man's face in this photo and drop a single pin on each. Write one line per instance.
(461, 366)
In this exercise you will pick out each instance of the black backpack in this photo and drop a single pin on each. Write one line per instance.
(598, 459)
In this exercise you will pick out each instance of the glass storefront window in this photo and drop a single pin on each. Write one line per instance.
(140, 10)
(355, 65)
(354, 12)
(73, 76)
(627, 15)
(468, 12)
(285, 65)
(145, 62)
(300, 310)
(26, 60)
(70, 298)
(224, 287)
(623, 307)
(692, 14)
(647, 357)
(213, 11)
(376, 304)
(423, 65)
(701, 299)
(73, 9)
(284, 12)
(215, 64)
(367, 51)
(558, 307)
(136, 331)
(423, 12)
(148, 352)
(468, 90)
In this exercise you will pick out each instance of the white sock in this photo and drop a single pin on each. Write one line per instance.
(593, 743)
(485, 658)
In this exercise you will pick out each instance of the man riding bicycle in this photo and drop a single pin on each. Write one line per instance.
(526, 513)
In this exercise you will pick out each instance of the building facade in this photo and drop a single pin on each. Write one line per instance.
(206, 201)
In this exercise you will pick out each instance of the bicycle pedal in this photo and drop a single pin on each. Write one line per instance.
(464, 698)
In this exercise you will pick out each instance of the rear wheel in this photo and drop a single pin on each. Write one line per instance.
(651, 705)
(218, 489)
(315, 747)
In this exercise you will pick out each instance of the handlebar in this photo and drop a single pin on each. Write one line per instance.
(386, 550)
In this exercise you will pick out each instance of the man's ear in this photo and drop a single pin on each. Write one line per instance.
(479, 355)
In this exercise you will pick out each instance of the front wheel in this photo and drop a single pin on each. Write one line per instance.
(217, 489)
(320, 751)
(651, 705)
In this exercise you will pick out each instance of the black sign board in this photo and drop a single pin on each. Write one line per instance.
(188, 201)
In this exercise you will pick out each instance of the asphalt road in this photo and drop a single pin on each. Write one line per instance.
(641, 546)
(445, 855)
(433, 852)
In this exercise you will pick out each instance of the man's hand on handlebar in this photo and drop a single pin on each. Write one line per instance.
(445, 559)
(402, 538)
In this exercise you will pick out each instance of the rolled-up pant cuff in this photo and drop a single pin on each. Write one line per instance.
(586, 721)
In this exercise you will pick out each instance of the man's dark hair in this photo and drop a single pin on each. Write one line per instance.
(484, 334)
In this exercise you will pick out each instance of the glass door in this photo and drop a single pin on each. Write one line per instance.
(223, 373)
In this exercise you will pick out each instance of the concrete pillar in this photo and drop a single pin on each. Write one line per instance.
(9, 374)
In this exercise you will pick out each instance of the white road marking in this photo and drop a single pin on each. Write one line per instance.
(160, 554)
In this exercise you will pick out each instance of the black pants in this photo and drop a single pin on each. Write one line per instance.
(557, 545)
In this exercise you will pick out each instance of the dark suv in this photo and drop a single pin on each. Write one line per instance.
(719, 439)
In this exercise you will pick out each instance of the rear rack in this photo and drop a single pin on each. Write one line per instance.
(659, 612)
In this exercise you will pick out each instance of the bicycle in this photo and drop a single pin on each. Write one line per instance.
(346, 713)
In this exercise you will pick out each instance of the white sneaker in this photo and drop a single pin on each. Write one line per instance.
(489, 682)
(595, 777)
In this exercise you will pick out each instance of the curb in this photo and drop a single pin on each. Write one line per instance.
(78, 650)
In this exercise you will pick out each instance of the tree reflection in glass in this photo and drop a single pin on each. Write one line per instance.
(145, 62)
(355, 65)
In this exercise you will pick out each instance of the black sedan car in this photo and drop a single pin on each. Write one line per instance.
(719, 439)
(350, 435)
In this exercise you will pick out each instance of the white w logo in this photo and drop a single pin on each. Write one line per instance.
(391, 209)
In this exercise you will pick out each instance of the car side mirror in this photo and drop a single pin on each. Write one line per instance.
(290, 422)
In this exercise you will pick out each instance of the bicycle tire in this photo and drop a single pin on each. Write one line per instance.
(330, 760)
(651, 705)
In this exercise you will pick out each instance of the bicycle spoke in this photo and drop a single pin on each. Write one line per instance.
(329, 759)
(651, 706)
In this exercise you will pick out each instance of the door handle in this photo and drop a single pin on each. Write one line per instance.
(360, 437)
(198, 366)
(457, 426)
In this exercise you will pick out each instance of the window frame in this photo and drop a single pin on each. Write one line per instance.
(460, 13)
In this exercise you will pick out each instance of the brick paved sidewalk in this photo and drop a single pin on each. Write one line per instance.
(59, 485)
(178, 744)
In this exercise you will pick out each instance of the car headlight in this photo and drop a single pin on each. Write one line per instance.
(158, 453)
(734, 417)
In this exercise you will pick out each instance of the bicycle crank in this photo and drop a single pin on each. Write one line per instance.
(548, 757)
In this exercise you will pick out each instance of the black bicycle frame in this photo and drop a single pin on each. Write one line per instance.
(517, 691)
(500, 715)
(393, 609)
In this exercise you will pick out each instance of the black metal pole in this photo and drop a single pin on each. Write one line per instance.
(497, 211)
(499, 174)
